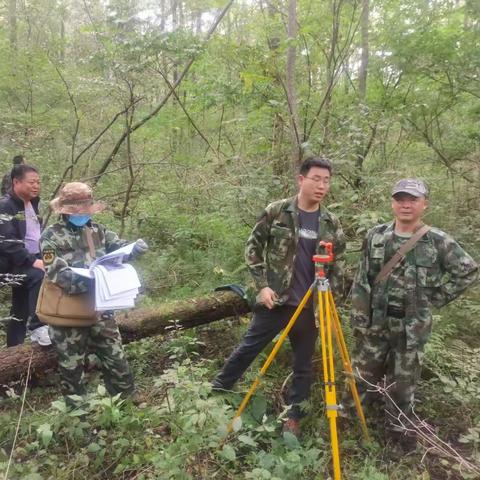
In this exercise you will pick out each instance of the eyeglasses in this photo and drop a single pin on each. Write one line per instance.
(323, 181)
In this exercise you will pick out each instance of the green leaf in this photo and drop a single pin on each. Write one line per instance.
(229, 453)
(247, 440)
(291, 441)
(45, 433)
(94, 447)
(59, 405)
(259, 407)
(77, 413)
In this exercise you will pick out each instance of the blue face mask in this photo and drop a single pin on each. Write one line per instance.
(79, 220)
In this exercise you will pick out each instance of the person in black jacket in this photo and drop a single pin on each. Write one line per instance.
(7, 178)
(20, 227)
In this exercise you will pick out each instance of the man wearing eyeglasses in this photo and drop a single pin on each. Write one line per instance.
(279, 256)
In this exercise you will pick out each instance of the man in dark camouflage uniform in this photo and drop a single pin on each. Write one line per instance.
(279, 255)
(65, 244)
(391, 319)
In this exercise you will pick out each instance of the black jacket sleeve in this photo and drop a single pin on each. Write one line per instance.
(12, 245)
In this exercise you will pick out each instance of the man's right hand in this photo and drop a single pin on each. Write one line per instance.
(268, 297)
(38, 264)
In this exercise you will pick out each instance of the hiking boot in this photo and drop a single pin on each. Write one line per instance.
(292, 425)
(217, 386)
(40, 336)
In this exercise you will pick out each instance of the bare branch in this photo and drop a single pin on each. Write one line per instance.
(190, 119)
(155, 111)
(425, 432)
(75, 111)
(132, 176)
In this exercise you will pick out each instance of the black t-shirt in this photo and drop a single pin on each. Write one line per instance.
(304, 268)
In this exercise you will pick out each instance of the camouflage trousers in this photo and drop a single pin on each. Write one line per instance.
(103, 339)
(382, 357)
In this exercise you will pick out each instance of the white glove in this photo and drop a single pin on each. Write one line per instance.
(140, 247)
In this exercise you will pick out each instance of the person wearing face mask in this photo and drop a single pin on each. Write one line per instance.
(75, 241)
(20, 227)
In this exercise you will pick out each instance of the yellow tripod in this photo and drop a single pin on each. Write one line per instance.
(328, 320)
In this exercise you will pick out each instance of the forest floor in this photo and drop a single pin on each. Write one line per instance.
(180, 430)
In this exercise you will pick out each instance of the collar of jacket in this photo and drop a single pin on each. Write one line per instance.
(291, 205)
(20, 204)
(390, 230)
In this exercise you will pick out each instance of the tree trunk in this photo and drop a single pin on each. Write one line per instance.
(362, 74)
(162, 15)
(362, 150)
(63, 40)
(12, 20)
(134, 325)
(292, 34)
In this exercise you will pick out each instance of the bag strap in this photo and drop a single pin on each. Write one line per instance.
(91, 247)
(400, 254)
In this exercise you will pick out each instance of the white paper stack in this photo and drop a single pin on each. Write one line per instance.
(116, 283)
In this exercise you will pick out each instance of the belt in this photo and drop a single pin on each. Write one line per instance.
(395, 312)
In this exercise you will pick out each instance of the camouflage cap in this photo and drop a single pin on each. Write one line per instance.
(76, 198)
(413, 186)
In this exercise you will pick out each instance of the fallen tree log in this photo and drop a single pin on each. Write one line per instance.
(133, 325)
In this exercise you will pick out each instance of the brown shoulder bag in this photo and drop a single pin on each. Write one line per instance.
(55, 307)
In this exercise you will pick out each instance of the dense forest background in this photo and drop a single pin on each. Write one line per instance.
(188, 117)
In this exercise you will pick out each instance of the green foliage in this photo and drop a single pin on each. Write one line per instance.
(199, 180)
(182, 432)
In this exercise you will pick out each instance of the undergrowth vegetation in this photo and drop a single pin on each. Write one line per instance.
(180, 432)
(85, 94)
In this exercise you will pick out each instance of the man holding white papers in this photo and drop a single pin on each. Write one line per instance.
(116, 283)
(76, 241)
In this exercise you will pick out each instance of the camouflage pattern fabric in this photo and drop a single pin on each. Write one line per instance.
(436, 271)
(383, 357)
(271, 247)
(63, 245)
(103, 338)
(76, 198)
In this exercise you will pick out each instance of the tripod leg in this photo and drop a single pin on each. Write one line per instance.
(272, 355)
(329, 376)
(342, 346)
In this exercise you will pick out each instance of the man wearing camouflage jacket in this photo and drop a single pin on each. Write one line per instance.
(65, 244)
(391, 318)
(279, 255)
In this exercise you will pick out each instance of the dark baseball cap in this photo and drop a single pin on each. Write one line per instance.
(413, 186)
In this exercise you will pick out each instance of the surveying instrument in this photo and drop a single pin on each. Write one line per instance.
(327, 320)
